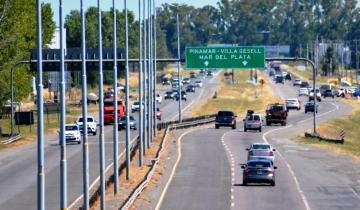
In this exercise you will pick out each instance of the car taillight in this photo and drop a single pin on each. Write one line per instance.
(271, 153)
(270, 171)
(247, 170)
(232, 118)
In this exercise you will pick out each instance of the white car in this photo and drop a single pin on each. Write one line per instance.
(198, 83)
(303, 92)
(91, 124)
(72, 133)
(136, 106)
(297, 82)
(261, 151)
(158, 98)
(318, 94)
(293, 103)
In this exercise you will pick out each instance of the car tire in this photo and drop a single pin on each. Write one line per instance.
(268, 124)
(217, 127)
(79, 142)
(233, 127)
(283, 123)
(245, 129)
(245, 183)
(272, 183)
(94, 133)
(260, 129)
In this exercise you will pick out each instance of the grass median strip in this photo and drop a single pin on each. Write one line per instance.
(350, 124)
(238, 97)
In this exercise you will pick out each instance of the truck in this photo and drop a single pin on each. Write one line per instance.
(225, 118)
(276, 113)
(109, 110)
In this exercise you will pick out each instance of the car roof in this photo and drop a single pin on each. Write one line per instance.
(260, 144)
(71, 125)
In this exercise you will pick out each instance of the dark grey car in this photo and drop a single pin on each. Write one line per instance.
(122, 122)
(259, 171)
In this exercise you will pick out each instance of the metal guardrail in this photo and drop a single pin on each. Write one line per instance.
(321, 138)
(189, 122)
(11, 139)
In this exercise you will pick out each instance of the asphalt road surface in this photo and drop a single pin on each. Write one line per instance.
(306, 178)
(18, 166)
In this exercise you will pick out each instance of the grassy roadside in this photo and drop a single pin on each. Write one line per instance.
(238, 97)
(350, 124)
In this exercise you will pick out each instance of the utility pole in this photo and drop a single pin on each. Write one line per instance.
(146, 77)
(141, 116)
(84, 112)
(179, 73)
(101, 113)
(154, 67)
(127, 84)
(314, 84)
(40, 109)
(149, 128)
(63, 165)
(115, 127)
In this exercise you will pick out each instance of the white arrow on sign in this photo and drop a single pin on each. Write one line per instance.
(206, 63)
(245, 63)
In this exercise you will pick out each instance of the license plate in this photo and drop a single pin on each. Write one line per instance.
(259, 172)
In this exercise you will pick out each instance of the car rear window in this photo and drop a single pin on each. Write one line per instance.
(259, 164)
(261, 146)
(278, 108)
(254, 117)
(225, 113)
(71, 128)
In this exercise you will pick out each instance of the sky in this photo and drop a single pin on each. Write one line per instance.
(69, 5)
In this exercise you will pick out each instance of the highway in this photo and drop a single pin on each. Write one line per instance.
(18, 166)
(209, 175)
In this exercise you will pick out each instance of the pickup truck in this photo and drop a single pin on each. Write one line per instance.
(225, 118)
(276, 113)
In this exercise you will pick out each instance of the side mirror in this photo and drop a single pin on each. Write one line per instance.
(243, 166)
(235, 116)
(247, 149)
(275, 167)
(274, 149)
(243, 120)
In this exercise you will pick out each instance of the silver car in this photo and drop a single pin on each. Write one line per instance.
(122, 122)
(261, 151)
(252, 122)
(259, 171)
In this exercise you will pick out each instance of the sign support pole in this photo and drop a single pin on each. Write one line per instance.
(178, 64)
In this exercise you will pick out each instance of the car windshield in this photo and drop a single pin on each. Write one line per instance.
(71, 128)
(89, 119)
(254, 117)
(225, 113)
(198, 81)
(277, 108)
(260, 164)
(137, 103)
(260, 146)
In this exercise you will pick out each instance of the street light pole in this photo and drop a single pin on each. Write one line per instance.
(179, 74)
(40, 108)
(141, 116)
(101, 113)
(155, 66)
(127, 139)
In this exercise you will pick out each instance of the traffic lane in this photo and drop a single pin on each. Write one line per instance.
(202, 179)
(283, 195)
(328, 180)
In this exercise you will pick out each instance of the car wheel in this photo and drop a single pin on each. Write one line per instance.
(244, 182)
(94, 133)
(283, 123)
(245, 129)
(260, 129)
(79, 142)
(272, 183)
(233, 127)
(268, 124)
(217, 127)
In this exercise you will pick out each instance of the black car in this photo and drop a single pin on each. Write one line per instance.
(328, 93)
(279, 79)
(288, 76)
(166, 81)
(310, 107)
(190, 88)
(183, 96)
(259, 171)
(193, 75)
(271, 73)
(210, 74)
(225, 118)
(169, 95)
(304, 84)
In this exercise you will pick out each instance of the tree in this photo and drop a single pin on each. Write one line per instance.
(18, 35)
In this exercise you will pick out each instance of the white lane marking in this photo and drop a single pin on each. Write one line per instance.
(158, 205)
(232, 204)
(320, 115)
(355, 193)
(302, 195)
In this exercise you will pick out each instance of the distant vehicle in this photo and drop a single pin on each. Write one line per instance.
(276, 113)
(225, 118)
(356, 93)
(186, 81)
(158, 114)
(166, 81)
(202, 71)
(318, 95)
(261, 151)
(288, 76)
(303, 92)
(169, 95)
(310, 107)
(158, 98)
(297, 82)
(136, 106)
(279, 79)
(190, 88)
(193, 75)
(91, 124)
(284, 73)
(340, 92)
(259, 171)
(227, 75)
(183, 95)
(175, 85)
(324, 88)
(293, 103)
(271, 73)
(304, 84)
(252, 122)
(108, 94)
(198, 83)
(210, 74)
(328, 93)
(122, 122)
(72, 133)
(109, 110)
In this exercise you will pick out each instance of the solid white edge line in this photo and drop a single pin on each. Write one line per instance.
(163, 193)
(302, 195)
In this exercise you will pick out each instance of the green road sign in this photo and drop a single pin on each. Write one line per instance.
(239, 57)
